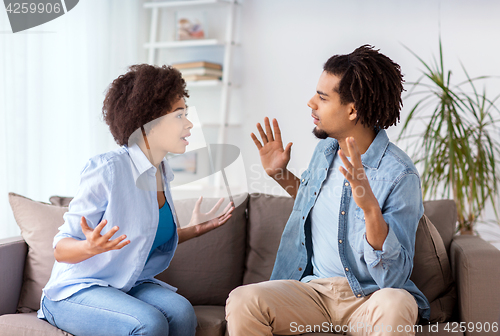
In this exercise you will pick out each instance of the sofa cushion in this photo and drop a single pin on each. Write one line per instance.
(28, 325)
(267, 217)
(206, 268)
(39, 224)
(62, 201)
(211, 320)
(432, 271)
(443, 214)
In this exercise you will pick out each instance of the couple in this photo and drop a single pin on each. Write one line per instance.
(346, 253)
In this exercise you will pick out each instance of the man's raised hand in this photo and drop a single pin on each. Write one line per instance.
(97, 243)
(272, 155)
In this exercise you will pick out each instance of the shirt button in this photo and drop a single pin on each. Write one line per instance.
(326, 168)
(303, 217)
(343, 212)
(347, 269)
(300, 268)
(303, 180)
(302, 243)
(340, 241)
(346, 184)
(314, 193)
(359, 295)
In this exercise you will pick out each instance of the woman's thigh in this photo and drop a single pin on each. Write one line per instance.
(176, 308)
(105, 311)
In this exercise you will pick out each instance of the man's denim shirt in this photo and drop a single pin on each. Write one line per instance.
(396, 185)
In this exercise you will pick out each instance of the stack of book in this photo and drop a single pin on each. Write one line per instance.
(198, 71)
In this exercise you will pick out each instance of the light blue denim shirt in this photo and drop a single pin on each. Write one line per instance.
(396, 185)
(119, 186)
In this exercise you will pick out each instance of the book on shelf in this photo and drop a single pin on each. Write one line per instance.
(200, 64)
(201, 71)
(191, 78)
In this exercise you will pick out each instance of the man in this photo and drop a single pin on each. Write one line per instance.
(346, 253)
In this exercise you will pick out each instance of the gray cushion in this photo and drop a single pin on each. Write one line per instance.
(443, 214)
(62, 201)
(432, 271)
(267, 217)
(211, 320)
(205, 269)
(38, 222)
(27, 325)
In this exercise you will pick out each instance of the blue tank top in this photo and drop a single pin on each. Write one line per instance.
(166, 227)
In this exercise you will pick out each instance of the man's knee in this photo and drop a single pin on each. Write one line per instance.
(242, 299)
(395, 301)
(242, 295)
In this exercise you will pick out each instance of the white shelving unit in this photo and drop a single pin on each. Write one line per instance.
(227, 42)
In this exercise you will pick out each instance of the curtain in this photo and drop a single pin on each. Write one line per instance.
(52, 83)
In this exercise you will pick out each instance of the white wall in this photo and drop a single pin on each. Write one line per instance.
(285, 43)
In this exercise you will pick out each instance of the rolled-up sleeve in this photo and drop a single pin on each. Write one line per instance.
(390, 250)
(392, 266)
(90, 200)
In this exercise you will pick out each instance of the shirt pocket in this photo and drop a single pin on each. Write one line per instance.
(356, 235)
(302, 192)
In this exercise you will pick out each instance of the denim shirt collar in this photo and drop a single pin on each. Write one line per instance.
(372, 157)
(143, 165)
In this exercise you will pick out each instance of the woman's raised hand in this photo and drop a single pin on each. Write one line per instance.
(202, 223)
(97, 243)
(272, 155)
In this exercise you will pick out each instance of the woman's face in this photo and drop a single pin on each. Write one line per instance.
(170, 133)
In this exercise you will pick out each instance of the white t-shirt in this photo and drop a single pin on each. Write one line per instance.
(324, 218)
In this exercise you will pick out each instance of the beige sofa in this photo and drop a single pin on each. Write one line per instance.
(458, 274)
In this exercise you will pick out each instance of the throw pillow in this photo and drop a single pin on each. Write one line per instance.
(443, 214)
(432, 271)
(61, 201)
(38, 222)
(267, 217)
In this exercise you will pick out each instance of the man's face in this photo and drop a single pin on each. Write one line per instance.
(332, 119)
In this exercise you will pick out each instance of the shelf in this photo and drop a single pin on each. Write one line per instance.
(188, 186)
(185, 44)
(216, 124)
(204, 83)
(187, 3)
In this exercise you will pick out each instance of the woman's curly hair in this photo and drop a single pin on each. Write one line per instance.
(373, 82)
(143, 94)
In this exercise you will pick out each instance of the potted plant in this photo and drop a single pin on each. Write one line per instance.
(455, 146)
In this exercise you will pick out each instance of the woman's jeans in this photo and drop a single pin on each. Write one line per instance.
(147, 309)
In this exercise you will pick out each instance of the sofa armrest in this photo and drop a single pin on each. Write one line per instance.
(12, 257)
(476, 266)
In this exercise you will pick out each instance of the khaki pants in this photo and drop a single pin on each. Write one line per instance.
(290, 307)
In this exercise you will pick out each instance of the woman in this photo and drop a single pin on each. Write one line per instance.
(102, 282)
